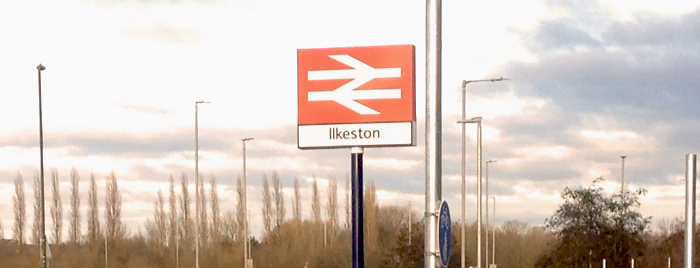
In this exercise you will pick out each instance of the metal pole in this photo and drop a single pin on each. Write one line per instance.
(463, 243)
(464, 163)
(622, 178)
(433, 128)
(106, 252)
(245, 209)
(42, 244)
(358, 245)
(198, 202)
(487, 211)
(196, 184)
(690, 177)
(493, 232)
(478, 193)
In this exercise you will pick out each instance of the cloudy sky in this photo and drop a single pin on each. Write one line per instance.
(590, 81)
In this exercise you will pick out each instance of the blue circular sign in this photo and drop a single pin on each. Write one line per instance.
(445, 233)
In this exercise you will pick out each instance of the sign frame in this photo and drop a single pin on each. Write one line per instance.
(346, 91)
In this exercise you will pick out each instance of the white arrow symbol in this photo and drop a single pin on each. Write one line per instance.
(360, 74)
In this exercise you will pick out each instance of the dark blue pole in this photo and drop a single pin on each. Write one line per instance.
(358, 245)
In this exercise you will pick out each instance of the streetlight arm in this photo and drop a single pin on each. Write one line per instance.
(465, 82)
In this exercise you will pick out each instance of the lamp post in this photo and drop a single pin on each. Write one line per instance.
(464, 182)
(487, 210)
(196, 182)
(493, 232)
(42, 242)
(477, 120)
(622, 177)
(245, 209)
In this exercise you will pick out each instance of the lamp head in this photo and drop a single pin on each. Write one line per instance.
(246, 139)
(40, 67)
(202, 102)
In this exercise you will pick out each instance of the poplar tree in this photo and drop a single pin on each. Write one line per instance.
(56, 207)
(74, 229)
(240, 210)
(267, 210)
(20, 211)
(172, 241)
(347, 202)
(203, 233)
(159, 219)
(185, 210)
(36, 227)
(296, 203)
(278, 196)
(93, 211)
(332, 202)
(215, 228)
(113, 208)
(315, 202)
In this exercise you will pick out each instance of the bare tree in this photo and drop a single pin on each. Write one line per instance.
(371, 216)
(296, 203)
(56, 207)
(203, 233)
(93, 211)
(173, 214)
(229, 227)
(159, 220)
(267, 210)
(74, 230)
(185, 220)
(20, 210)
(36, 227)
(278, 196)
(315, 202)
(215, 211)
(332, 205)
(113, 208)
(240, 210)
(347, 202)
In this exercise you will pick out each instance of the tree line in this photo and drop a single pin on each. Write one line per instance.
(590, 226)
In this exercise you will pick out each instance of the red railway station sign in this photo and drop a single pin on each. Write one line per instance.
(356, 97)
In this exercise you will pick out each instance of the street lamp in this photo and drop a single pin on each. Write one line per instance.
(196, 182)
(464, 181)
(245, 209)
(42, 242)
(493, 252)
(622, 176)
(477, 120)
(487, 210)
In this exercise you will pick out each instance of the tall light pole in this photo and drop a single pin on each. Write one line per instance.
(196, 182)
(42, 243)
(245, 208)
(477, 120)
(493, 252)
(622, 177)
(487, 210)
(464, 163)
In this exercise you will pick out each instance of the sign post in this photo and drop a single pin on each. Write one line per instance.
(356, 97)
(358, 240)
